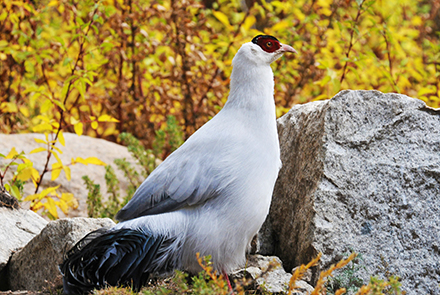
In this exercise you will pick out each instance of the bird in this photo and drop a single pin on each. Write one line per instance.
(209, 197)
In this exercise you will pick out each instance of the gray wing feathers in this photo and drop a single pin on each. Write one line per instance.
(176, 183)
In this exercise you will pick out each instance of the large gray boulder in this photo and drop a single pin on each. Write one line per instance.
(361, 172)
(17, 228)
(35, 267)
(75, 146)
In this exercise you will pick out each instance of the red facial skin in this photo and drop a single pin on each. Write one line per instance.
(268, 44)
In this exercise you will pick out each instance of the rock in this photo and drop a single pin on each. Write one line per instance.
(361, 172)
(35, 267)
(270, 275)
(6, 200)
(75, 146)
(18, 227)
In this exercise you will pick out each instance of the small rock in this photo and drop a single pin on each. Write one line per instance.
(35, 267)
(17, 228)
(6, 200)
(270, 275)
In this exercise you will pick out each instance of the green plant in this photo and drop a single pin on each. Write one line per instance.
(94, 199)
(348, 277)
(96, 207)
(168, 139)
(390, 286)
(131, 174)
(113, 203)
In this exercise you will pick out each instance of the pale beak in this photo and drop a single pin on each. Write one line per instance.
(287, 48)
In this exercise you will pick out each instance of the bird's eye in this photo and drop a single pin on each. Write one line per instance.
(267, 43)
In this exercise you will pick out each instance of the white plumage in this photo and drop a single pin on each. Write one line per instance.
(212, 194)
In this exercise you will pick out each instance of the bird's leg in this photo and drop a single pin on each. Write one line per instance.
(229, 283)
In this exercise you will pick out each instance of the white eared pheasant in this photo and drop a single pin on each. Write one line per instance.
(210, 196)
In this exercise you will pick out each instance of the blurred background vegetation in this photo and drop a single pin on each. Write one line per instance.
(105, 67)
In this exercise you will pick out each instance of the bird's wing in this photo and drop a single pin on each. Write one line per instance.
(187, 177)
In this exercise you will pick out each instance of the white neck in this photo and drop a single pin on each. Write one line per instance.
(251, 87)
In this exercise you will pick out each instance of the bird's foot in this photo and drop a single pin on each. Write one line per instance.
(229, 283)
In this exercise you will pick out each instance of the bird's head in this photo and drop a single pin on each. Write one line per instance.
(263, 49)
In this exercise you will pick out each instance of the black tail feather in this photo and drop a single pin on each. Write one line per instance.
(112, 258)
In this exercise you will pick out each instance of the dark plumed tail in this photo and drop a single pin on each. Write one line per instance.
(109, 258)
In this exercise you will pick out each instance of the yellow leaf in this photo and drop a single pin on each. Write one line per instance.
(12, 153)
(13, 190)
(9, 107)
(38, 150)
(56, 170)
(26, 160)
(24, 174)
(297, 13)
(43, 118)
(78, 128)
(324, 81)
(416, 20)
(107, 118)
(53, 3)
(48, 190)
(51, 206)
(61, 138)
(94, 125)
(321, 97)
(66, 197)
(59, 104)
(70, 200)
(24, 110)
(222, 18)
(89, 160)
(37, 206)
(34, 174)
(67, 171)
(24, 165)
(110, 130)
(32, 197)
(42, 127)
(63, 206)
(37, 140)
(325, 11)
(249, 22)
(280, 25)
(78, 160)
(95, 161)
(57, 157)
(57, 149)
(425, 90)
(45, 106)
(73, 121)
